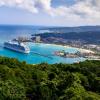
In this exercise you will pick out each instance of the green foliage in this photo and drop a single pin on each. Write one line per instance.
(11, 90)
(21, 81)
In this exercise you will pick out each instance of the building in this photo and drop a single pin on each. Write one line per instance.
(38, 39)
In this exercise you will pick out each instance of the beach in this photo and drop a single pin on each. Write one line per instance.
(67, 46)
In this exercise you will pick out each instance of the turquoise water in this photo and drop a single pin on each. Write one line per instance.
(43, 49)
(10, 32)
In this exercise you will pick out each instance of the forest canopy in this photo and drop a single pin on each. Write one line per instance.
(22, 81)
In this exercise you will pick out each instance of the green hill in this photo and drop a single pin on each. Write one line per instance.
(21, 81)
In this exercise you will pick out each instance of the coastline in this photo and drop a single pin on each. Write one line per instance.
(67, 46)
(57, 46)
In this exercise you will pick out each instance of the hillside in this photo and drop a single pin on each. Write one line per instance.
(74, 29)
(21, 81)
(83, 37)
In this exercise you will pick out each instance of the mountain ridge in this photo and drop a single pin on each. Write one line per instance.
(74, 29)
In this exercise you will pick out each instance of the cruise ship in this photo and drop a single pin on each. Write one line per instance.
(17, 46)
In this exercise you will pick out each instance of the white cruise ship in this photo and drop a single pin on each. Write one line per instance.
(17, 46)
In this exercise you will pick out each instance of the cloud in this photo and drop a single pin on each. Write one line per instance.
(33, 6)
(82, 11)
(28, 5)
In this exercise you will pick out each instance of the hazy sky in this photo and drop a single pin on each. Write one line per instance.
(50, 12)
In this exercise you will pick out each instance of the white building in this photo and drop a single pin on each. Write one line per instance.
(38, 39)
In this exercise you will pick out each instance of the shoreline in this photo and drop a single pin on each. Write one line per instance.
(67, 46)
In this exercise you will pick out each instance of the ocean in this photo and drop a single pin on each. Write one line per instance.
(9, 32)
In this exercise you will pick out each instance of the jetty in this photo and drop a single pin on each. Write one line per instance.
(41, 54)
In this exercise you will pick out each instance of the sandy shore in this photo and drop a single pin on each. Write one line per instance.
(85, 50)
(56, 45)
(67, 46)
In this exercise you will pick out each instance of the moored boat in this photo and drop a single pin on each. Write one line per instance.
(17, 46)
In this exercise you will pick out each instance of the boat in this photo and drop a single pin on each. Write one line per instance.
(17, 46)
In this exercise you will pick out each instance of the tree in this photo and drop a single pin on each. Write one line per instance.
(11, 91)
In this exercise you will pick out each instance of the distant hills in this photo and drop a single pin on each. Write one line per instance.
(54, 28)
(74, 29)
(84, 34)
(88, 34)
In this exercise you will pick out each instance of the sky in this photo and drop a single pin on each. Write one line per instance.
(50, 12)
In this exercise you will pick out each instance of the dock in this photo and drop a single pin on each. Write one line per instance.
(41, 54)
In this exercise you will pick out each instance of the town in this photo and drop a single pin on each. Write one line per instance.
(88, 51)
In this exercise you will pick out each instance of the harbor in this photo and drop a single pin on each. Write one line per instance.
(47, 56)
(39, 52)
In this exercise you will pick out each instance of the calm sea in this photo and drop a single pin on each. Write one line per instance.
(10, 32)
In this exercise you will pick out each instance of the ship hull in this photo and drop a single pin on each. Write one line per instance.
(21, 51)
(17, 50)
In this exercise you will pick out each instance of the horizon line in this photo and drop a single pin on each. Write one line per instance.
(46, 25)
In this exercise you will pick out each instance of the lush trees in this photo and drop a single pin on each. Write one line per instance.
(11, 90)
(21, 81)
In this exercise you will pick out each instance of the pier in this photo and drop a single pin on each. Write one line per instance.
(41, 54)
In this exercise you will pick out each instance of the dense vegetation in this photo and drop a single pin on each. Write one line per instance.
(89, 37)
(75, 29)
(21, 81)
